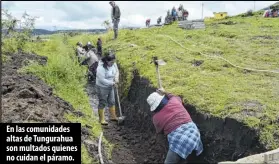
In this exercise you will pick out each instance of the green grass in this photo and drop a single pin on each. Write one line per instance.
(215, 87)
(86, 159)
(63, 73)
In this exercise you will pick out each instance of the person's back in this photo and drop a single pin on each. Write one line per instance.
(116, 13)
(180, 13)
(171, 116)
(99, 46)
(159, 20)
(147, 22)
(92, 57)
(173, 11)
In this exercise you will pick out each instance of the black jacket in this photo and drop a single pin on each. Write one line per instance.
(115, 13)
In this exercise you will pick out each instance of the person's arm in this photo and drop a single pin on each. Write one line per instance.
(162, 91)
(101, 76)
(119, 12)
(112, 18)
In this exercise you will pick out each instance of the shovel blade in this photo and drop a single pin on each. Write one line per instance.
(161, 62)
(121, 120)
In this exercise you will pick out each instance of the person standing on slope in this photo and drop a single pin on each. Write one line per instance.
(159, 20)
(107, 79)
(147, 22)
(171, 118)
(115, 16)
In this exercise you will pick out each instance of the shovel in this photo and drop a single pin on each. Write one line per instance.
(121, 118)
(157, 63)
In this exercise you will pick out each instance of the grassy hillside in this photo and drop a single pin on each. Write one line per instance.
(216, 86)
(68, 80)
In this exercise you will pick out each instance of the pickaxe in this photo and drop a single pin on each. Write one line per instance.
(158, 62)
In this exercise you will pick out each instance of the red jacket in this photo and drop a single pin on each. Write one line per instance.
(171, 116)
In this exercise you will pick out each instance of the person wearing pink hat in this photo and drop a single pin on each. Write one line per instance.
(171, 118)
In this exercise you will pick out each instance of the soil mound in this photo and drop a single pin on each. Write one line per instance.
(27, 98)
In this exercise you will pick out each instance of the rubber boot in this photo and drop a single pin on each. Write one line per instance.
(113, 116)
(102, 117)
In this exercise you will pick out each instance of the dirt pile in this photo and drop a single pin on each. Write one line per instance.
(26, 97)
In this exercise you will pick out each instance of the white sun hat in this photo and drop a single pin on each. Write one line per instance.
(154, 100)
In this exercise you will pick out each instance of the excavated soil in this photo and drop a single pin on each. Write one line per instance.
(26, 98)
(223, 139)
(135, 141)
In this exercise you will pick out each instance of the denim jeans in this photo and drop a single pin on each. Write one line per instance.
(172, 158)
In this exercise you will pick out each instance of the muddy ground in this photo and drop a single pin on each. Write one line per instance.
(26, 98)
(137, 143)
(131, 145)
(135, 140)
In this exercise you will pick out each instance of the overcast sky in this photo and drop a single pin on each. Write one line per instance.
(90, 14)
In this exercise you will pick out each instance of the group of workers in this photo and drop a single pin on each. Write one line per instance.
(271, 13)
(104, 71)
(181, 14)
(170, 117)
(89, 55)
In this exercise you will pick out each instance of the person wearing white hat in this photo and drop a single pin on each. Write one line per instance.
(171, 118)
(80, 52)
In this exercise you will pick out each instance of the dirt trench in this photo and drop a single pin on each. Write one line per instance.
(137, 143)
(27, 98)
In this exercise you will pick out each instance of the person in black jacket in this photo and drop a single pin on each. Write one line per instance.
(115, 16)
(99, 47)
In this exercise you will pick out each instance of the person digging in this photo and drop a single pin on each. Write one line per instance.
(92, 62)
(107, 78)
(80, 52)
(115, 16)
(171, 118)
